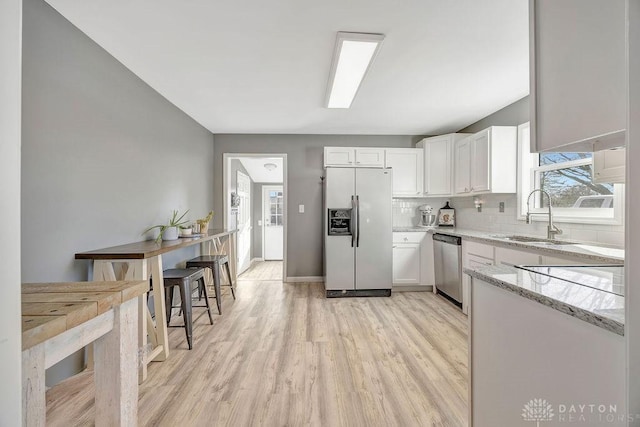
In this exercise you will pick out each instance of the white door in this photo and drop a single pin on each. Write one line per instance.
(272, 222)
(408, 174)
(462, 163)
(406, 263)
(243, 188)
(480, 161)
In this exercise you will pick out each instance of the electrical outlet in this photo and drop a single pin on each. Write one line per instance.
(300, 208)
(501, 207)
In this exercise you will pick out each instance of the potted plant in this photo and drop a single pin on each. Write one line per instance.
(169, 231)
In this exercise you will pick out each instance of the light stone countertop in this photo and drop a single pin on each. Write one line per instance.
(587, 251)
(598, 307)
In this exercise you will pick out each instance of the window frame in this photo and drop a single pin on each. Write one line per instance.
(529, 167)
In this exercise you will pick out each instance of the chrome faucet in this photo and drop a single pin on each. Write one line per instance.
(552, 230)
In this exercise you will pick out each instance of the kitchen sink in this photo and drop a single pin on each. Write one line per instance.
(531, 239)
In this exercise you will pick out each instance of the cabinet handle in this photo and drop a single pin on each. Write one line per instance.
(394, 246)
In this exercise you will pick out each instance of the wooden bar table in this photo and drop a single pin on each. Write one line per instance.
(142, 260)
(61, 318)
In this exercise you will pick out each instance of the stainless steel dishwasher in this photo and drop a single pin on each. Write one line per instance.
(448, 265)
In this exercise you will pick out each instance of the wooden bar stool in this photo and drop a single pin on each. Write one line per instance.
(183, 278)
(214, 262)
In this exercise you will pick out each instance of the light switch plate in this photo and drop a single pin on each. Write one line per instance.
(300, 208)
(501, 207)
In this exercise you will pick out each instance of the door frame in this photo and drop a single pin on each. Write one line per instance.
(226, 170)
(264, 188)
(239, 174)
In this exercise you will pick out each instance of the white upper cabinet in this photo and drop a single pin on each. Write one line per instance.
(372, 157)
(462, 166)
(354, 157)
(608, 166)
(486, 162)
(408, 171)
(577, 60)
(339, 156)
(438, 163)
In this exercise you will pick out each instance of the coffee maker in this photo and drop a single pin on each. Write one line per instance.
(427, 217)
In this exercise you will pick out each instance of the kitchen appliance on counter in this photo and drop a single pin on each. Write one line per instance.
(358, 232)
(448, 266)
(427, 217)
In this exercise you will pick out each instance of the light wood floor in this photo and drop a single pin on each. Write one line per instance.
(283, 355)
(263, 270)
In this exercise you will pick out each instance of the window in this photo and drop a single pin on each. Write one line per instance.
(275, 207)
(567, 179)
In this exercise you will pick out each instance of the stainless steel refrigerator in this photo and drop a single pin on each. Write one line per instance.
(358, 232)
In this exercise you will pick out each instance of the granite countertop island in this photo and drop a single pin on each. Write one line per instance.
(591, 298)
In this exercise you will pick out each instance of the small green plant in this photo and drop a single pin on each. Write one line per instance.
(175, 221)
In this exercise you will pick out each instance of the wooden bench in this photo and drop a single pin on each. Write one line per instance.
(59, 319)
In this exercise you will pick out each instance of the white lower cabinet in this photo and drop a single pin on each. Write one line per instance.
(515, 257)
(406, 263)
(521, 350)
(412, 260)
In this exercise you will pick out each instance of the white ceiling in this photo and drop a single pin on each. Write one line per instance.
(262, 66)
(257, 171)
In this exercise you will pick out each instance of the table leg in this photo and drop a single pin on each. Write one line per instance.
(34, 405)
(137, 270)
(162, 336)
(115, 369)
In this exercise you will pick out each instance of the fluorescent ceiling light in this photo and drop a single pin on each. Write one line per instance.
(352, 57)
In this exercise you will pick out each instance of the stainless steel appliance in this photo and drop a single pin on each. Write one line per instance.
(358, 232)
(427, 217)
(448, 265)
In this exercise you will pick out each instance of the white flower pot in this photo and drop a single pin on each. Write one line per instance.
(170, 233)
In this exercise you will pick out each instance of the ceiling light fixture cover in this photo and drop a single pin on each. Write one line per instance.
(270, 166)
(352, 57)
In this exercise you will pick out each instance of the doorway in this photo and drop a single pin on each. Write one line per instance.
(257, 183)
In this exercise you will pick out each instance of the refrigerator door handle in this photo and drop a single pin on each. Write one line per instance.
(353, 231)
(358, 221)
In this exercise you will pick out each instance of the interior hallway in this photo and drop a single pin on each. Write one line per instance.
(263, 270)
(283, 354)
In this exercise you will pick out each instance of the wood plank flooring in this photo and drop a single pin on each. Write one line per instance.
(283, 355)
(263, 270)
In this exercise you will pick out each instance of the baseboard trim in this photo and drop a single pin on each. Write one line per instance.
(305, 279)
(412, 288)
(256, 260)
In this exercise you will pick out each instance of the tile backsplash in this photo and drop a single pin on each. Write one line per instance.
(405, 214)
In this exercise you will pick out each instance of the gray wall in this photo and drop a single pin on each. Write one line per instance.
(511, 115)
(104, 156)
(10, 350)
(304, 163)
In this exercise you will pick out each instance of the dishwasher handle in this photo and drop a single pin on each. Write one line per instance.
(445, 238)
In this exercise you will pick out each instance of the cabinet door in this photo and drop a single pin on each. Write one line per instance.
(481, 161)
(406, 263)
(462, 163)
(408, 173)
(372, 157)
(338, 156)
(437, 166)
(608, 166)
(577, 61)
(516, 257)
